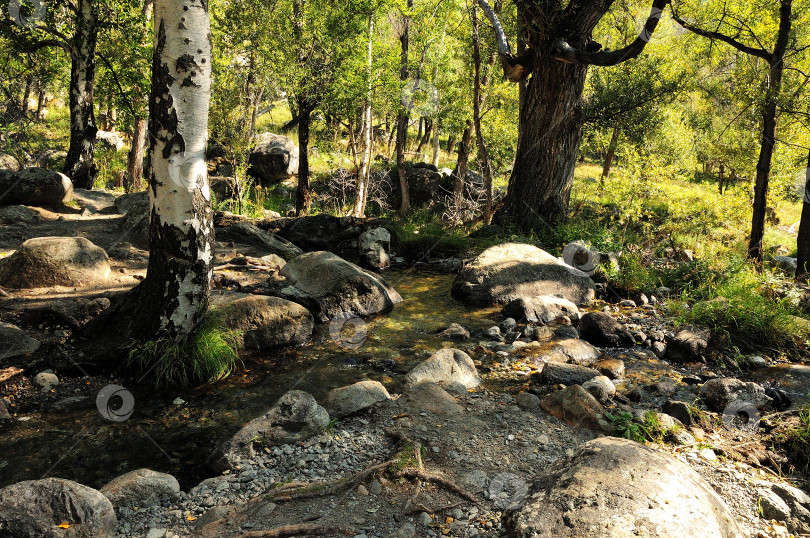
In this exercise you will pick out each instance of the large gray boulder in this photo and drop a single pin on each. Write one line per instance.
(141, 487)
(14, 342)
(561, 373)
(18, 214)
(55, 261)
(135, 224)
(578, 351)
(446, 367)
(688, 345)
(248, 234)
(295, 417)
(95, 201)
(35, 508)
(577, 407)
(601, 329)
(109, 140)
(720, 393)
(345, 401)
(36, 187)
(125, 202)
(618, 488)
(373, 246)
(9, 162)
(543, 308)
(269, 321)
(330, 286)
(273, 159)
(424, 183)
(512, 271)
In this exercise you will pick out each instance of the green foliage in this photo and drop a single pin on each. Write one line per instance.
(798, 439)
(623, 425)
(206, 355)
(422, 233)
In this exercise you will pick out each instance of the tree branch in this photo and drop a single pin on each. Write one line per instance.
(566, 53)
(515, 69)
(760, 53)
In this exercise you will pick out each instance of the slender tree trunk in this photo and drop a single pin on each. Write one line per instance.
(29, 81)
(174, 296)
(79, 164)
(460, 173)
(426, 136)
(721, 179)
(402, 117)
(451, 142)
(436, 148)
(40, 101)
(803, 240)
(303, 197)
(361, 190)
(477, 103)
(610, 155)
(134, 178)
(777, 67)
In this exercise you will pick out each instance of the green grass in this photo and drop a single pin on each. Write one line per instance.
(798, 440)
(207, 354)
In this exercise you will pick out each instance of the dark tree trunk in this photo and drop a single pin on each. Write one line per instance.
(478, 100)
(609, 156)
(451, 142)
(303, 197)
(402, 117)
(134, 177)
(460, 173)
(29, 81)
(764, 167)
(803, 240)
(426, 135)
(79, 164)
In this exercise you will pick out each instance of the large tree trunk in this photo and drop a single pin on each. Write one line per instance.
(174, 296)
(402, 117)
(79, 164)
(478, 99)
(460, 173)
(134, 177)
(303, 197)
(803, 240)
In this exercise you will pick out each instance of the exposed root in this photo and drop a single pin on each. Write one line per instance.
(289, 492)
(303, 529)
(428, 477)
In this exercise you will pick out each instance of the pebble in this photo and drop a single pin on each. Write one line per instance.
(425, 519)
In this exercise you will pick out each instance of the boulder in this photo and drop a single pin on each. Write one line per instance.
(108, 140)
(247, 234)
(296, 416)
(52, 159)
(373, 245)
(600, 329)
(95, 201)
(556, 373)
(35, 508)
(14, 342)
(446, 367)
(577, 407)
(330, 286)
(543, 308)
(346, 401)
(721, 392)
(46, 380)
(600, 388)
(55, 261)
(454, 331)
(19, 214)
(578, 351)
(135, 224)
(786, 264)
(269, 321)
(619, 488)
(424, 184)
(125, 202)
(785, 503)
(142, 487)
(612, 368)
(36, 187)
(688, 345)
(9, 163)
(428, 397)
(74, 312)
(510, 271)
(273, 159)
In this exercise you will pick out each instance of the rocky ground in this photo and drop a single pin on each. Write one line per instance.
(429, 459)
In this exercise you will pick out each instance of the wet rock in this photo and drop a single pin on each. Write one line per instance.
(14, 342)
(330, 286)
(578, 351)
(296, 416)
(511, 271)
(446, 366)
(454, 331)
(345, 401)
(600, 329)
(269, 322)
(612, 368)
(679, 410)
(35, 508)
(36, 187)
(248, 234)
(600, 388)
(721, 392)
(556, 373)
(781, 401)
(18, 214)
(273, 159)
(688, 345)
(577, 407)
(140, 487)
(660, 349)
(374, 245)
(542, 308)
(617, 487)
(55, 261)
(566, 332)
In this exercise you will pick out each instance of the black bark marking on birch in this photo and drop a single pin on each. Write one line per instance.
(162, 108)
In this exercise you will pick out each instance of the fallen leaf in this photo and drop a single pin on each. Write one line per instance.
(64, 525)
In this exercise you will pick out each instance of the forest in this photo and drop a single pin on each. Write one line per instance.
(404, 268)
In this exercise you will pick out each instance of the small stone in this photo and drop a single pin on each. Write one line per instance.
(46, 380)
(425, 519)
(178, 401)
(708, 454)
(362, 491)
(627, 303)
(508, 324)
(375, 487)
(527, 401)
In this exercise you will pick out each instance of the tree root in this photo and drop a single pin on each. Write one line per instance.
(289, 492)
(429, 477)
(302, 529)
